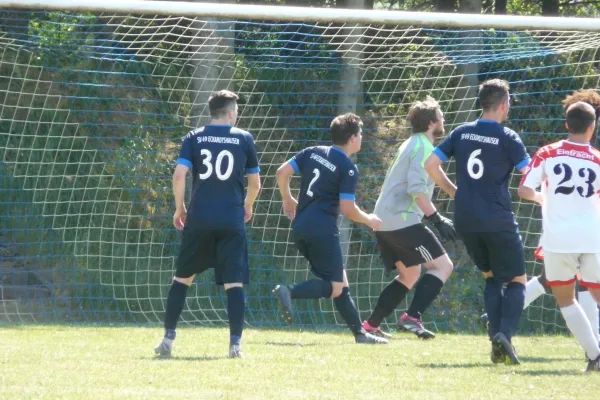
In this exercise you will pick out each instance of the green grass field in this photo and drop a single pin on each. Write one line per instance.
(61, 362)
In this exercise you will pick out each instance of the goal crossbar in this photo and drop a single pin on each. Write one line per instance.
(307, 14)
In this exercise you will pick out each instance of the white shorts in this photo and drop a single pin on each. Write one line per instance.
(564, 268)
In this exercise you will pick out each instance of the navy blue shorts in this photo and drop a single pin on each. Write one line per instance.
(324, 254)
(224, 250)
(499, 252)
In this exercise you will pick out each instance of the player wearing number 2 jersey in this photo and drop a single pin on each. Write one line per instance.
(486, 153)
(568, 173)
(219, 156)
(327, 185)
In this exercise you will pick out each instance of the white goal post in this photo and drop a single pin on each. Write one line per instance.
(306, 14)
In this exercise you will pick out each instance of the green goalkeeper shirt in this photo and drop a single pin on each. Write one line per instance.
(406, 178)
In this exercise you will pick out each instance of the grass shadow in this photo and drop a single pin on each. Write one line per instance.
(452, 366)
(553, 372)
(188, 358)
(543, 360)
(286, 344)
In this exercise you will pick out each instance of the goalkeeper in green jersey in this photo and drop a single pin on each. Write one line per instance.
(404, 241)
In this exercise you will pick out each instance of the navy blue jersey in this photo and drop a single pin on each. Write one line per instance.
(219, 157)
(486, 153)
(327, 176)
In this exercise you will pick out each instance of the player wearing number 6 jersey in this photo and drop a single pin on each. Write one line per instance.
(486, 154)
(327, 185)
(219, 156)
(568, 173)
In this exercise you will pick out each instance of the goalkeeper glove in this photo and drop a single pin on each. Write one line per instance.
(444, 226)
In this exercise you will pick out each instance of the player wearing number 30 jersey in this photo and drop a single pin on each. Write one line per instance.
(486, 154)
(218, 156)
(568, 173)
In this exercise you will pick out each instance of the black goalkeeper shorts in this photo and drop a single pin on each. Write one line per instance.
(413, 245)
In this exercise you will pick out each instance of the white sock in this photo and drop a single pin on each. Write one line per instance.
(533, 290)
(580, 327)
(590, 308)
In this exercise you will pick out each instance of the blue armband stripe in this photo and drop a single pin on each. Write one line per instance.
(347, 196)
(254, 170)
(523, 164)
(440, 154)
(184, 161)
(294, 165)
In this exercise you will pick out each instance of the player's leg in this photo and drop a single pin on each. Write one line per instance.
(393, 248)
(561, 270)
(391, 296)
(492, 292)
(328, 264)
(345, 305)
(231, 271)
(507, 262)
(190, 261)
(534, 288)
(537, 285)
(315, 251)
(439, 268)
(590, 308)
(236, 308)
(589, 294)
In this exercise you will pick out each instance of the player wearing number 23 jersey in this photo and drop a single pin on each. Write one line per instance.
(567, 173)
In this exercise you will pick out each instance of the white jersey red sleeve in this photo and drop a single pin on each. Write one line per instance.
(569, 176)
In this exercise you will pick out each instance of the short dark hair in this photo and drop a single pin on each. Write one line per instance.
(493, 93)
(422, 113)
(220, 102)
(580, 116)
(343, 127)
(588, 96)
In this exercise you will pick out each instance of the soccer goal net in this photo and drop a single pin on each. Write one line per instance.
(95, 99)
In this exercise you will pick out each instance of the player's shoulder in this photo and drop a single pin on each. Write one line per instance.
(193, 133)
(309, 150)
(509, 133)
(569, 149)
(345, 165)
(596, 153)
(551, 147)
(468, 127)
(235, 131)
(550, 150)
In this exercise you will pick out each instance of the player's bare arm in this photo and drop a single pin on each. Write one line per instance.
(433, 166)
(527, 193)
(179, 177)
(284, 173)
(425, 204)
(351, 211)
(251, 195)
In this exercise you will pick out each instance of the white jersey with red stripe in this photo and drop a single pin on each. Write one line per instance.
(569, 176)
